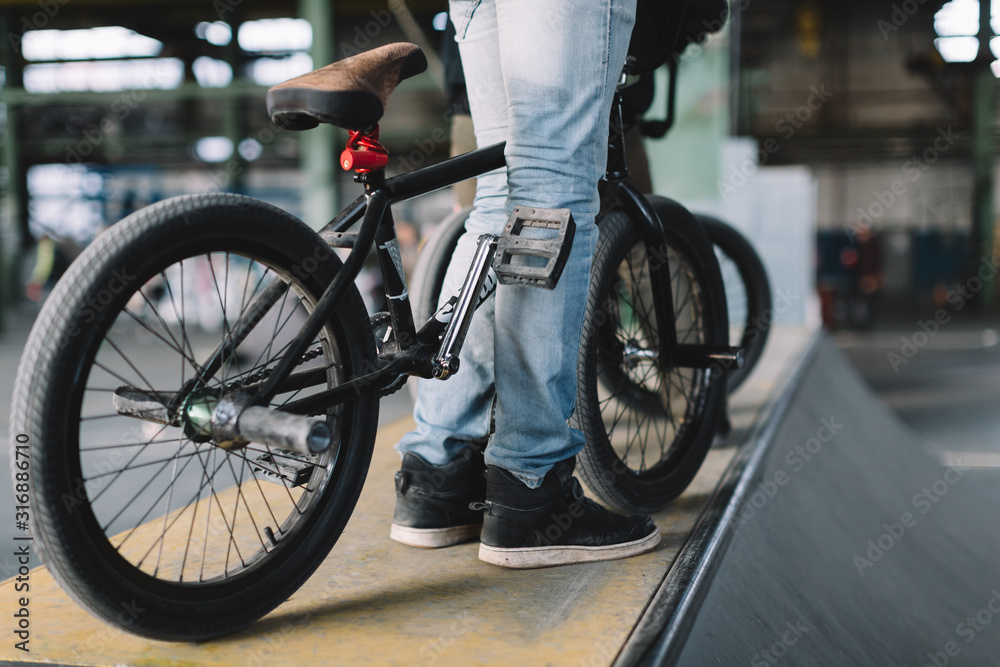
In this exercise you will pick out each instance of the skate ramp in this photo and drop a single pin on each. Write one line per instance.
(838, 537)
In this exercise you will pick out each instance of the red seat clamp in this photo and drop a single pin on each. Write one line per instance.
(364, 153)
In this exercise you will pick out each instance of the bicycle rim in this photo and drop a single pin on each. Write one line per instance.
(171, 503)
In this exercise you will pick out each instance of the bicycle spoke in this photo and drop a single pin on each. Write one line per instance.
(134, 457)
(166, 513)
(236, 505)
(208, 516)
(157, 334)
(176, 346)
(149, 385)
(144, 464)
(138, 493)
(183, 320)
(280, 354)
(222, 512)
(126, 445)
(258, 367)
(194, 503)
(218, 503)
(226, 331)
(95, 417)
(266, 352)
(117, 376)
(263, 496)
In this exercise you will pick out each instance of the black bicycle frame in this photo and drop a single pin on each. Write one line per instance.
(372, 209)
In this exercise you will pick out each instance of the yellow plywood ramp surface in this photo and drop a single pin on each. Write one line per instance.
(374, 601)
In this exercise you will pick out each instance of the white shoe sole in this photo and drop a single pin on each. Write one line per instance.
(434, 538)
(523, 558)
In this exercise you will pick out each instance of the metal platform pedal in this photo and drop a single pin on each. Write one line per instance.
(285, 468)
(517, 260)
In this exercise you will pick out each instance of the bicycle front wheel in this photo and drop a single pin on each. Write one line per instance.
(196, 540)
(648, 425)
(748, 294)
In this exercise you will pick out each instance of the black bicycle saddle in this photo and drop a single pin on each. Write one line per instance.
(350, 93)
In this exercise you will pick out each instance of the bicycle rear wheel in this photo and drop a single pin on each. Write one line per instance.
(748, 294)
(647, 430)
(191, 539)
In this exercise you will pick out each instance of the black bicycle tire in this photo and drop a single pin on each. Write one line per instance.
(756, 287)
(652, 488)
(432, 264)
(431, 267)
(49, 381)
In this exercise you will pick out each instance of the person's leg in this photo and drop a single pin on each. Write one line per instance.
(560, 63)
(451, 414)
(440, 476)
(554, 119)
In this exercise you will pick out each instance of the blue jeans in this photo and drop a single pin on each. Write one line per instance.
(541, 76)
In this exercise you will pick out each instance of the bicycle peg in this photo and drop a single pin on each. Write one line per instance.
(517, 257)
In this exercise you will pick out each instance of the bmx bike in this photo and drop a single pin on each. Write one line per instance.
(203, 477)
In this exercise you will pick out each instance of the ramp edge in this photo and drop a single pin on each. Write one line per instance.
(658, 636)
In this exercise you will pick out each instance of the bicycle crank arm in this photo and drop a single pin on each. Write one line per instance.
(434, 328)
(471, 295)
(232, 422)
(708, 356)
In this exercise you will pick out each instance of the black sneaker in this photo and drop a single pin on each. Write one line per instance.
(555, 524)
(432, 502)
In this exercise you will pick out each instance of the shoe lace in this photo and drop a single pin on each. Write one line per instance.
(575, 494)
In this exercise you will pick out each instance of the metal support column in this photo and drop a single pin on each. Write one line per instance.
(15, 185)
(234, 127)
(318, 146)
(983, 154)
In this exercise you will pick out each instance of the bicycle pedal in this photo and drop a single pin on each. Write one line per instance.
(285, 468)
(518, 257)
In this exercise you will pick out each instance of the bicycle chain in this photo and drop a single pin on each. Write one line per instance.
(266, 372)
(308, 356)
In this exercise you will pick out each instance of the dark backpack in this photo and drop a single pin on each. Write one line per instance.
(700, 19)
